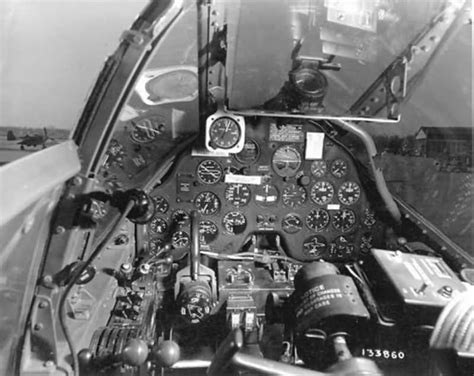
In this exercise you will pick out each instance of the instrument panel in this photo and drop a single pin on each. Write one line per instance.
(275, 185)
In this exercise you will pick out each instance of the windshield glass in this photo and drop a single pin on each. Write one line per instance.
(315, 56)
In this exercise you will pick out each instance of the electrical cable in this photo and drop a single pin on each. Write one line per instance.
(62, 306)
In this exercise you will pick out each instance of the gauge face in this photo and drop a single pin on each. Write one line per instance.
(319, 168)
(266, 195)
(322, 192)
(144, 131)
(155, 244)
(158, 225)
(207, 203)
(207, 232)
(315, 246)
(209, 172)
(344, 220)
(317, 219)
(339, 168)
(341, 247)
(286, 161)
(292, 223)
(293, 195)
(180, 217)
(249, 154)
(237, 194)
(224, 133)
(349, 193)
(180, 239)
(161, 205)
(369, 218)
(234, 223)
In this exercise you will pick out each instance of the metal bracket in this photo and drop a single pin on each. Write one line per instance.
(42, 329)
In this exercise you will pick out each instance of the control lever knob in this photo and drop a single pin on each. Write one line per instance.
(167, 353)
(135, 353)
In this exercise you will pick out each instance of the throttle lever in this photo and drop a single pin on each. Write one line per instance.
(195, 253)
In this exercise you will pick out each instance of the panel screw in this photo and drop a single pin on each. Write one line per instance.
(38, 327)
(42, 305)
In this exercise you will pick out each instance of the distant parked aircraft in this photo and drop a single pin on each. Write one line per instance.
(35, 140)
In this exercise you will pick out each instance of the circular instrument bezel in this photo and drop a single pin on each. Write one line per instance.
(316, 188)
(208, 197)
(203, 168)
(232, 129)
(314, 213)
(289, 167)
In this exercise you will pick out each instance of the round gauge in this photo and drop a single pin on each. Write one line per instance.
(315, 246)
(369, 218)
(158, 225)
(161, 205)
(180, 217)
(322, 192)
(207, 203)
(249, 154)
(234, 223)
(317, 219)
(339, 168)
(143, 131)
(344, 220)
(207, 232)
(155, 244)
(237, 194)
(341, 247)
(180, 239)
(319, 168)
(348, 193)
(292, 223)
(293, 195)
(209, 172)
(224, 133)
(266, 195)
(286, 161)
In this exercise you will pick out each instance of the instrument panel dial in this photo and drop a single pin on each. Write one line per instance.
(319, 168)
(161, 205)
(348, 193)
(180, 239)
(293, 195)
(237, 194)
(286, 161)
(209, 172)
(315, 246)
(224, 133)
(158, 225)
(344, 220)
(249, 154)
(339, 168)
(322, 192)
(234, 223)
(266, 195)
(292, 223)
(207, 203)
(317, 219)
(207, 232)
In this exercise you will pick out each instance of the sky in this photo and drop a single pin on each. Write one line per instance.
(51, 52)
